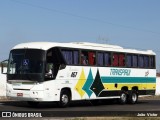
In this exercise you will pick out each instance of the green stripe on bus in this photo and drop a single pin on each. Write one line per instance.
(128, 79)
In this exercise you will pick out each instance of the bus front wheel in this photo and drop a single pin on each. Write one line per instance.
(64, 98)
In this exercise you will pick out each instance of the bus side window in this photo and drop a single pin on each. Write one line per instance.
(100, 59)
(115, 59)
(152, 61)
(84, 58)
(68, 56)
(135, 61)
(146, 61)
(75, 57)
(129, 60)
(107, 59)
(141, 61)
(121, 60)
(71, 56)
(92, 58)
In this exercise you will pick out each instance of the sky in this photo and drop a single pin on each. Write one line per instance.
(127, 23)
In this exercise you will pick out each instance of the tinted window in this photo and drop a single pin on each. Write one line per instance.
(141, 61)
(135, 60)
(84, 58)
(115, 59)
(107, 59)
(118, 59)
(92, 58)
(100, 60)
(121, 60)
(129, 61)
(71, 56)
(152, 62)
(146, 61)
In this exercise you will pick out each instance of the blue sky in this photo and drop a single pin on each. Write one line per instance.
(128, 23)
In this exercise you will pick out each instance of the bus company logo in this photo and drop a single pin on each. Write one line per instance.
(6, 114)
(25, 62)
(146, 73)
(120, 72)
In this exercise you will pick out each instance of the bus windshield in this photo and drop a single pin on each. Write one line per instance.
(26, 64)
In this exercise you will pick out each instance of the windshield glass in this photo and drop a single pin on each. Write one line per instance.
(26, 64)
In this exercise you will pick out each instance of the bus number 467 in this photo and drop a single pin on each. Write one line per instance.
(74, 74)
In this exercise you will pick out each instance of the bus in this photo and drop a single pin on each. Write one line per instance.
(65, 72)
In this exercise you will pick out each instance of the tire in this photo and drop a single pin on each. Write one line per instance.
(33, 104)
(133, 97)
(65, 98)
(123, 97)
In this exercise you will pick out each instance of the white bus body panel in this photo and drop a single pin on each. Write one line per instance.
(79, 84)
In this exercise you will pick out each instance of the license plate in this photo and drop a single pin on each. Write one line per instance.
(19, 94)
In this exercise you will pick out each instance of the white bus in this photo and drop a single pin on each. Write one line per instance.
(65, 72)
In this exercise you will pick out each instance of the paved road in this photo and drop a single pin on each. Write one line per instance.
(85, 108)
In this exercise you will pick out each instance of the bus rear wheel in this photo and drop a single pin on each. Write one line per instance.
(64, 98)
(133, 97)
(123, 97)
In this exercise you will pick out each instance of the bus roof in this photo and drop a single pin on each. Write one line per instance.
(80, 45)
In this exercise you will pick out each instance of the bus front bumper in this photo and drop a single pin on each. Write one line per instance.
(30, 94)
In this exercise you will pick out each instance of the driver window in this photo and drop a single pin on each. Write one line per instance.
(54, 61)
(49, 71)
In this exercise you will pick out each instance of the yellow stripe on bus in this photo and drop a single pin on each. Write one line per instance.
(141, 86)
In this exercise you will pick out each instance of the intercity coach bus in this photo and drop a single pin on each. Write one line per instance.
(65, 72)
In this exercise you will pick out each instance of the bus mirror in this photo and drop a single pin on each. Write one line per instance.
(4, 66)
(62, 66)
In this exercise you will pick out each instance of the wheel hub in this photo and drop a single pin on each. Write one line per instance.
(134, 97)
(65, 99)
(123, 97)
